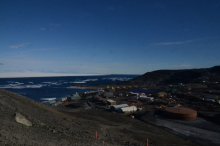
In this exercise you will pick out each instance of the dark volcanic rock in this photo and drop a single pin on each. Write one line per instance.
(162, 77)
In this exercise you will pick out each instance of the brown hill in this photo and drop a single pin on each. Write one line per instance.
(163, 77)
(52, 127)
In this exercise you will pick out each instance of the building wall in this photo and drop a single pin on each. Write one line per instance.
(111, 103)
(128, 109)
(115, 108)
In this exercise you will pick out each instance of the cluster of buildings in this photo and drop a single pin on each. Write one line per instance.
(63, 100)
(201, 96)
(133, 99)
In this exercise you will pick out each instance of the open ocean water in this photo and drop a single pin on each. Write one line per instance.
(55, 87)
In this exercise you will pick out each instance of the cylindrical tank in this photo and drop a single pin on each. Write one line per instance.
(181, 113)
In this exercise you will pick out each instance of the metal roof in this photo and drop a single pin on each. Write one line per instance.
(180, 110)
(130, 108)
(75, 96)
(120, 105)
(109, 100)
(181, 113)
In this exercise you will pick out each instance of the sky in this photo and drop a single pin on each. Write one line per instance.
(107, 36)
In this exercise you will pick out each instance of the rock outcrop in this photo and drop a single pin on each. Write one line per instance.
(22, 120)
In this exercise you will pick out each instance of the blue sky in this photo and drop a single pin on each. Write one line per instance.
(108, 36)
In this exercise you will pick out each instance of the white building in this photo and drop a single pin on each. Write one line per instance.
(63, 99)
(111, 102)
(128, 109)
(117, 107)
(136, 96)
(142, 95)
(57, 103)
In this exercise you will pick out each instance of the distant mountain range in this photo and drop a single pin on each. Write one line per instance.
(186, 76)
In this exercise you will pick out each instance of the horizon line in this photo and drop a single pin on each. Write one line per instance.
(40, 74)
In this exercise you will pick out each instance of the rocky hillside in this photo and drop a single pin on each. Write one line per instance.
(26, 122)
(161, 77)
(48, 126)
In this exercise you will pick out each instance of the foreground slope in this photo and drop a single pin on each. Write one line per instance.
(51, 127)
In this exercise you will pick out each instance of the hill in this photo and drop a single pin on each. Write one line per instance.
(163, 77)
(50, 126)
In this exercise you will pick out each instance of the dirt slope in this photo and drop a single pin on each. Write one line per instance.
(51, 127)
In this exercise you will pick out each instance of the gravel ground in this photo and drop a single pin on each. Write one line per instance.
(199, 130)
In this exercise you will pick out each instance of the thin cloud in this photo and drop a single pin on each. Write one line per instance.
(109, 9)
(182, 66)
(50, 26)
(180, 42)
(40, 49)
(186, 29)
(159, 5)
(1, 63)
(42, 28)
(174, 43)
(19, 45)
(55, 25)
